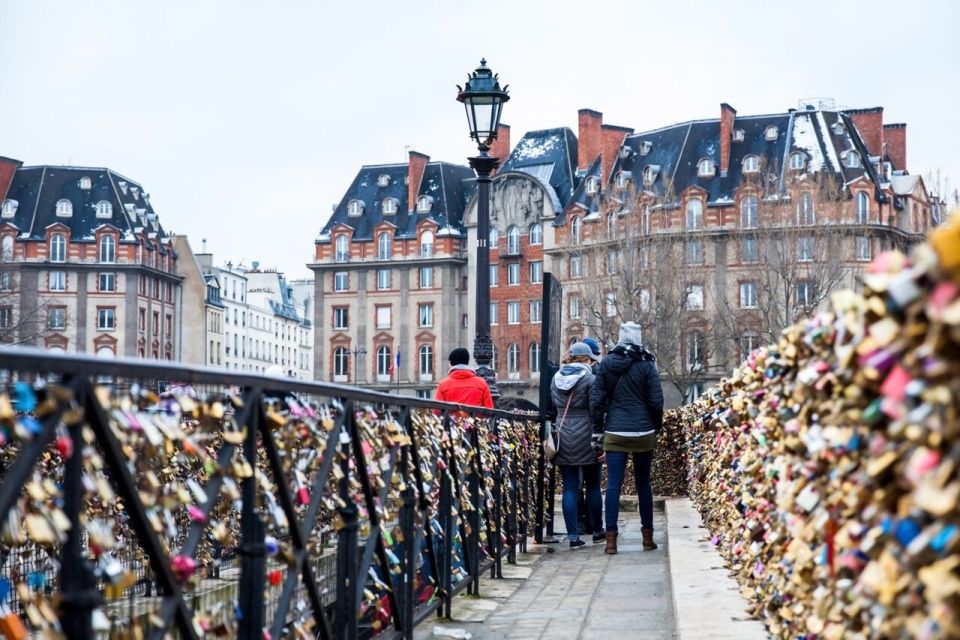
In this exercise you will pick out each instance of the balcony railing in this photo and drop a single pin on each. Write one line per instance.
(160, 496)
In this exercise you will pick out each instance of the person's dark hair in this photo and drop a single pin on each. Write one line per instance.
(459, 356)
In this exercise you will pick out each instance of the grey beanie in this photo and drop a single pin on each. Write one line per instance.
(631, 333)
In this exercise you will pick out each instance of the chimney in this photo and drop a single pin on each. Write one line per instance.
(612, 137)
(869, 123)
(727, 117)
(501, 146)
(416, 165)
(8, 167)
(590, 137)
(895, 140)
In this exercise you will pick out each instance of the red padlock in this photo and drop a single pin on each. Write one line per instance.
(303, 494)
(275, 577)
(65, 446)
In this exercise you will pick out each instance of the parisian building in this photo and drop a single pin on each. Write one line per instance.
(204, 314)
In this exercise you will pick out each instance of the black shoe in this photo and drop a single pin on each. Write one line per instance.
(599, 537)
(574, 544)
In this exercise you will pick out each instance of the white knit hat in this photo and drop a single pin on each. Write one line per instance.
(631, 333)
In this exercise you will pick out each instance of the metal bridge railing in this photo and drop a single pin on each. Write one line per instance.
(140, 497)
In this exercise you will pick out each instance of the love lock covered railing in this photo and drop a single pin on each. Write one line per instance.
(139, 499)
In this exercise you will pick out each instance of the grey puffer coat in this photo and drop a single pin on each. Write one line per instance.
(573, 382)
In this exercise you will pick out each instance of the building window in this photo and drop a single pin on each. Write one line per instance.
(536, 315)
(645, 300)
(513, 240)
(771, 133)
(536, 233)
(383, 279)
(341, 364)
(106, 318)
(863, 208)
(748, 250)
(383, 363)
(57, 318)
(494, 238)
(64, 208)
(104, 209)
(7, 249)
(593, 185)
(706, 168)
(513, 313)
(494, 313)
(576, 266)
(694, 213)
(424, 204)
(805, 213)
(108, 282)
(694, 252)
(513, 361)
(612, 225)
(864, 250)
(58, 280)
(694, 300)
(9, 208)
(108, 249)
(58, 248)
(341, 317)
(383, 317)
(806, 295)
(6, 281)
(513, 273)
(426, 315)
(749, 341)
(645, 221)
(853, 160)
(693, 393)
(384, 245)
(751, 164)
(748, 212)
(621, 179)
(695, 349)
(805, 249)
(748, 295)
(613, 261)
(341, 281)
(739, 135)
(383, 180)
(390, 206)
(426, 277)
(797, 161)
(576, 229)
(426, 360)
(342, 249)
(534, 357)
(536, 271)
(6, 317)
(574, 306)
(426, 244)
(650, 174)
(355, 208)
(611, 304)
(494, 275)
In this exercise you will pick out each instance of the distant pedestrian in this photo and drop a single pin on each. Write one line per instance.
(594, 350)
(576, 458)
(628, 402)
(462, 385)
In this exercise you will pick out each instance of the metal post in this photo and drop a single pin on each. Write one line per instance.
(347, 540)
(538, 514)
(446, 548)
(408, 551)
(496, 570)
(476, 499)
(483, 345)
(551, 497)
(512, 494)
(253, 553)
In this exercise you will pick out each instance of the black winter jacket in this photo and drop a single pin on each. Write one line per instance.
(637, 403)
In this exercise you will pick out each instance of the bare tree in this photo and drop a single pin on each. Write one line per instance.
(19, 324)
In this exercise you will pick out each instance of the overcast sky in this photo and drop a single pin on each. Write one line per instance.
(246, 121)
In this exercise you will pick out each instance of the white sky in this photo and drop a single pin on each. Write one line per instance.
(246, 121)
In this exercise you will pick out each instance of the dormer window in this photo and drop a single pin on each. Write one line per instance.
(771, 133)
(135, 191)
(853, 160)
(706, 168)
(424, 204)
(650, 174)
(104, 209)
(85, 183)
(593, 185)
(64, 208)
(751, 164)
(624, 152)
(622, 178)
(837, 128)
(645, 147)
(798, 161)
(123, 186)
(383, 180)
(739, 135)
(390, 206)
(10, 208)
(355, 208)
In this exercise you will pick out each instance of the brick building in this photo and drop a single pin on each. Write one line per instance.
(86, 265)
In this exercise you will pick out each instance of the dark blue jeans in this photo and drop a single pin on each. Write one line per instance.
(571, 475)
(616, 468)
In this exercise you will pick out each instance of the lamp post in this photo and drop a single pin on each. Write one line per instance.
(483, 99)
(357, 351)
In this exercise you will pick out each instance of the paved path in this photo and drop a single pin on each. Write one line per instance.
(577, 594)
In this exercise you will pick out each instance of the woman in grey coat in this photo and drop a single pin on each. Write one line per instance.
(576, 458)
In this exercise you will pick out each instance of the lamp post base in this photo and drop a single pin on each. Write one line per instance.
(483, 355)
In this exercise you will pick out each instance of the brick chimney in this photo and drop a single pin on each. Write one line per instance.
(727, 117)
(8, 167)
(895, 140)
(500, 148)
(416, 165)
(869, 123)
(590, 143)
(612, 137)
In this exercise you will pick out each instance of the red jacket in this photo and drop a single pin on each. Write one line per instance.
(464, 387)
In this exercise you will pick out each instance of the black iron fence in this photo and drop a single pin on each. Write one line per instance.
(139, 499)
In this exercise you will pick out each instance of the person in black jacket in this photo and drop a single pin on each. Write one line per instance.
(627, 412)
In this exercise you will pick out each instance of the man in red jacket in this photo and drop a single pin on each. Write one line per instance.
(462, 385)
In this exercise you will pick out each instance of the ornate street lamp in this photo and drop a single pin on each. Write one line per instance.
(483, 99)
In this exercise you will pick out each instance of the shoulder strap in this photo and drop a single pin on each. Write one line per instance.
(620, 379)
(565, 409)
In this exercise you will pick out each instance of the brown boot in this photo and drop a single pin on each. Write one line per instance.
(648, 543)
(611, 543)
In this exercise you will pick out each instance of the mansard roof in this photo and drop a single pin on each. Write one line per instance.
(449, 185)
(549, 155)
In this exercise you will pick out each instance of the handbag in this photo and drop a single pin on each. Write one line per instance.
(549, 448)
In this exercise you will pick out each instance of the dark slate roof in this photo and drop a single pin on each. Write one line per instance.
(449, 185)
(38, 189)
(551, 155)
(586, 202)
(285, 307)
